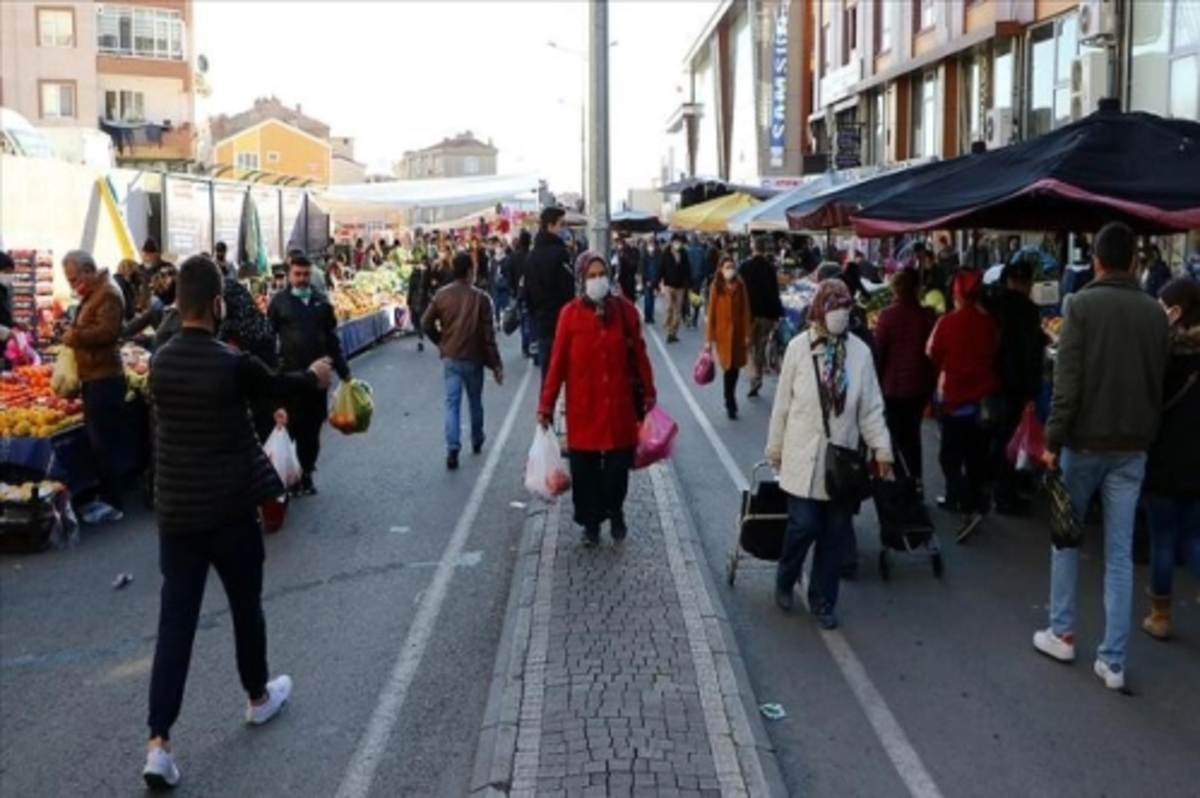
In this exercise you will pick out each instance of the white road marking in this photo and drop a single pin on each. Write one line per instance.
(400, 530)
(891, 735)
(371, 747)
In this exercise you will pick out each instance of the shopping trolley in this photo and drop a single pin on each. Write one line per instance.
(762, 522)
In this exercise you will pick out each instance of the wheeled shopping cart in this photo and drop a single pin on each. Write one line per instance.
(905, 527)
(762, 522)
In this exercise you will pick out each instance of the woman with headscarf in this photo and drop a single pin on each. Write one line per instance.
(599, 355)
(964, 348)
(828, 382)
(727, 327)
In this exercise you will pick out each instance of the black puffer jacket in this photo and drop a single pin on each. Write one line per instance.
(1173, 469)
(209, 467)
(307, 332)
(549, 282)
(245, 326)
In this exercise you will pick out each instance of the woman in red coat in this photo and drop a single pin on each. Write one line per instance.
(600, 356)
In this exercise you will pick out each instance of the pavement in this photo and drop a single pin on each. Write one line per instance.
(448, 639)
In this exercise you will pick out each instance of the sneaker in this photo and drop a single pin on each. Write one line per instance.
(970, 527)
(420, 346)
(618, 529)
(1113, 676)
(477, 448)
(279, 690)
(101, 513)
(591, 538)
(672, 339)
(826, 618)
(306, 487)
(452, 460)
(784, 599)
(160, 772)
(1055, 647)
(753, 392)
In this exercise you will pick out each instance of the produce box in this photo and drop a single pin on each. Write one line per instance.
(31, 513)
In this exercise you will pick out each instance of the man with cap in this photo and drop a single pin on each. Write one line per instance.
(1020, 362)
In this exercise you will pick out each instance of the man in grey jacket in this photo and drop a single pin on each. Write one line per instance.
(1107, 399)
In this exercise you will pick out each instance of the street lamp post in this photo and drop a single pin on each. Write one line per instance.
(597, 203)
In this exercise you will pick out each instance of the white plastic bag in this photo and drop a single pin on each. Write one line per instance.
(546, 474)
(281, 450)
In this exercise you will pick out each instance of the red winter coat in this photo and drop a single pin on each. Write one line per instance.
(964, 348)
(591, 359)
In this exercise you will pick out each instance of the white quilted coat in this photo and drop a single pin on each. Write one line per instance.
(796, 440)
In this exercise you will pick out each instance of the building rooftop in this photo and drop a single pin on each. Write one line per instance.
(463, 141)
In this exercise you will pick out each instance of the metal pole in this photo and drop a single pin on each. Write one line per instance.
(597, 202)
(583, 144)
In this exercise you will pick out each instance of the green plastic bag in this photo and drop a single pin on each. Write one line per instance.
(352, 407)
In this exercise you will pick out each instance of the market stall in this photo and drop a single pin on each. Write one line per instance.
(712, 216)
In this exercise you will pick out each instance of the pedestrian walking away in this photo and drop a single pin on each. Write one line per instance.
(95, 337)
(304, 320)
(1108, 396)
(1172, 488)
(549, 282)
(676, 278)
(211, 475)
(828, 394)
(727, 328)
(419, 294)
(766, 306)
(651, 271)
(599, 358)
(461, 323)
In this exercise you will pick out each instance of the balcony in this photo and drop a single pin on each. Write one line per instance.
(139, 145)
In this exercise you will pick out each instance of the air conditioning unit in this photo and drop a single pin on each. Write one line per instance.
(1097, 22)
(1089, 82)
(998, 128)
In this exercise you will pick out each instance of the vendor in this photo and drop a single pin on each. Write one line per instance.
(95, 338)
(162, 296)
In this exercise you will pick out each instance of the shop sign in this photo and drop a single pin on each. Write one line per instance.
(779, 85)
(849, 147)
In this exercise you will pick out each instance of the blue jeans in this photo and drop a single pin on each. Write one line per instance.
(648, 304)
(1174, 523)
(1118, 478)
(827, 525)
(460, 375)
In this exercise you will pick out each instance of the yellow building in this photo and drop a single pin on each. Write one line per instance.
(275, 148)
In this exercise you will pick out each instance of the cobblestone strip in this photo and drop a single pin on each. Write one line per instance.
(739, 771)
(529, 733)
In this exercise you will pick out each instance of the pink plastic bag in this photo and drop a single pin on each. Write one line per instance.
(20, 351)
(1027, 448)
(656, 438)
(705, 371)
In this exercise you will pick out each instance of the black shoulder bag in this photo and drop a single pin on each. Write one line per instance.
(847, 480)
(635, 376)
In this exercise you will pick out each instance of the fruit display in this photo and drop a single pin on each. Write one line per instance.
(28, 491)
(351, 303)
(29, 408)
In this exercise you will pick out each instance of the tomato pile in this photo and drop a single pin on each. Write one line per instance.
(29, 408)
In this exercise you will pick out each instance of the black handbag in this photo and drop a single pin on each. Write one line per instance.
(510, 321)
(847, 479)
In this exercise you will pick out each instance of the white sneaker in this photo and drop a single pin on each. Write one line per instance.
(1113, 676)
(160, 772)
(101, 513)
(278, 691)
(1055, 647)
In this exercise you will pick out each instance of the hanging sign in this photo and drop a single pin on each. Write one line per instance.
(779, 85)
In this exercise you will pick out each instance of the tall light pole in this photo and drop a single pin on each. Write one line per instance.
(597, 201)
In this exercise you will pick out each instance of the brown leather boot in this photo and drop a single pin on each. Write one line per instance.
(1158, 623)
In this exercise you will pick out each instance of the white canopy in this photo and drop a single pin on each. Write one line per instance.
(363, 197)
(772, 214)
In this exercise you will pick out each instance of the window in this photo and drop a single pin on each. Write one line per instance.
(125, 106)
(56, 27)
(1053, 48)
(924, 15)
(58, 100)
(246, 160)
(925, 116)
(273, 156)
(849, 31)
(974, 99)
(1166, 56)
(140, 32)
(470, 165)
(883, 26)
(879, 128)
(1003, 66)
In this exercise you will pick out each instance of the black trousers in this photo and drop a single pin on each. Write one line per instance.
(1007, 480)
(103, 411)
(599, 485)
(731, 381)
(307, 411)
(904, 417)
(236, 552)
(964, 460)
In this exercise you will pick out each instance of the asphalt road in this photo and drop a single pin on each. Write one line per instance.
(931, 688)
(345, 581)
(937, 680)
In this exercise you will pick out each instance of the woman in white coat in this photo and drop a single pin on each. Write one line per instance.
(825, 369)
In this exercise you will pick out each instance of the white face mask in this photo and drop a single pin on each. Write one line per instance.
(596, 288)
(728, 274)
(837, 321)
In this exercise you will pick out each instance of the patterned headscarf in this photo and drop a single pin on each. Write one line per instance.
(835, 383)
(582, 264)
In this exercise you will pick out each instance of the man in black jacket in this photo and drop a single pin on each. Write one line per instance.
(516, 281)
(549, 282)
(676, 277)
(211, 475)
(1021, 366)
(766, 308)
(306, 325)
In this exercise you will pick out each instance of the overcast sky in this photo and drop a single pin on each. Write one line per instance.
(402, 75)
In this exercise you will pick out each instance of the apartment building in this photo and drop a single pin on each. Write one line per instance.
(901, 79)
(123, 67)
(48, 62)
(463, 155)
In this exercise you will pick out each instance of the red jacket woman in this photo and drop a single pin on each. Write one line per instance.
(597, 346)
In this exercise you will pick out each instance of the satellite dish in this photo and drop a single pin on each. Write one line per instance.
(202, 64)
